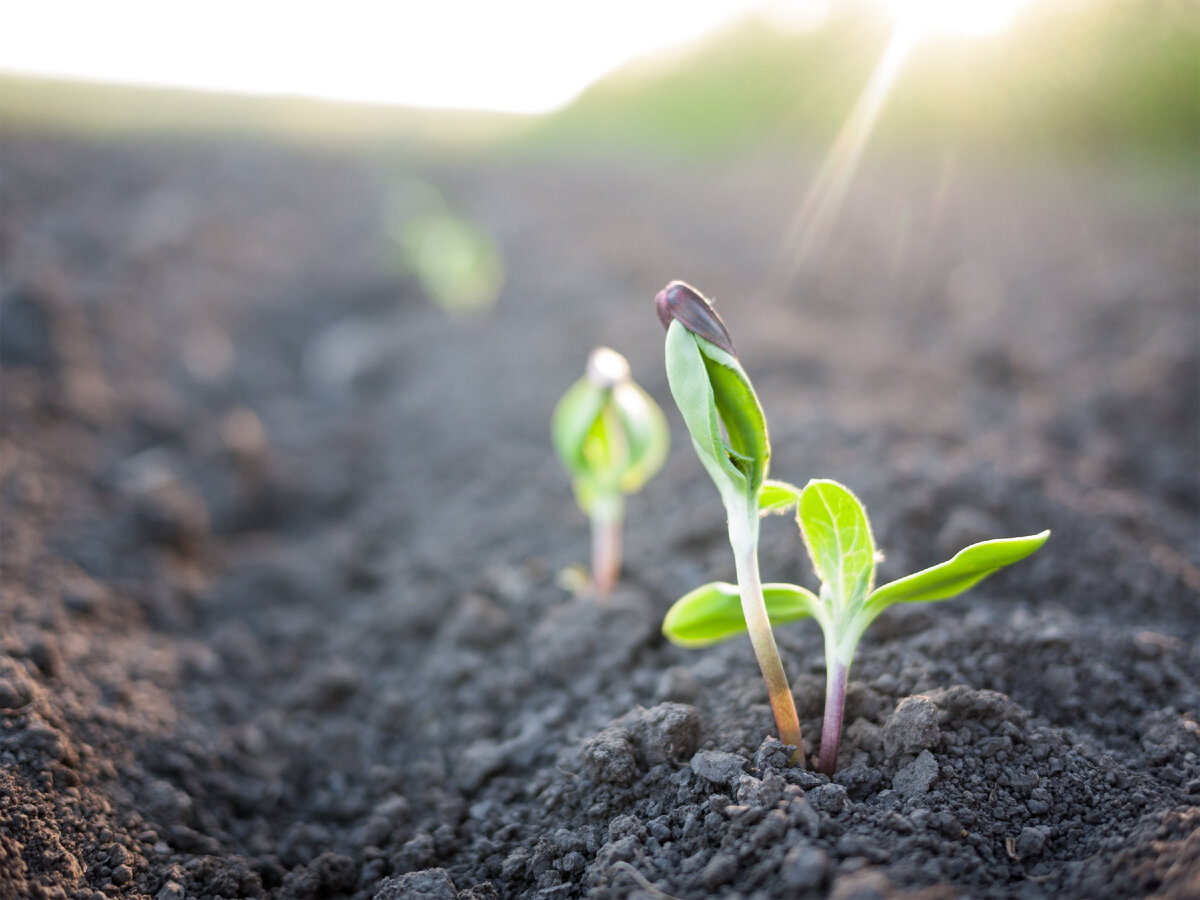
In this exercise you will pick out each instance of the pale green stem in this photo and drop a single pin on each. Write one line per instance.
(743, 536)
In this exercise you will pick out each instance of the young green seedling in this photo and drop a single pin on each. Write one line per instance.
(729, 432)
(611, 437)
(837, 533)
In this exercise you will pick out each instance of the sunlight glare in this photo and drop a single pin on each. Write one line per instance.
(967, 17)
(525, 56)
(913, 20)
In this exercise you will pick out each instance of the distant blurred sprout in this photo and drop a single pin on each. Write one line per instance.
(612, 438)
(457, 261)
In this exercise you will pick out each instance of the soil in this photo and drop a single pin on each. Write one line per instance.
(282, 541)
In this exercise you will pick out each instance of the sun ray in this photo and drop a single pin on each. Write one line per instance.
(977, 18)
(810, 227)
(914, 20)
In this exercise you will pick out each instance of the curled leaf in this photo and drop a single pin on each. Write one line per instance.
(722, 414)
(713, 612)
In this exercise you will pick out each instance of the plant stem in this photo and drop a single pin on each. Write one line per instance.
(835, 707)
(743, 535)
(607, 519)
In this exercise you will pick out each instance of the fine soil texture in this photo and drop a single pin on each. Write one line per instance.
(290, 603)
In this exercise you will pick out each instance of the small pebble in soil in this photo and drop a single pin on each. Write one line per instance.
(718, 766)
(1031, 841)
(804, 868)
(608, 757)
(428, 884)
(772, 754)
(828, 798)
(914, 779)
(669, 732)
(860, 781)
(912, 727)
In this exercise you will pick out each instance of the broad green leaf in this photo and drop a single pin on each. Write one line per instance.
(968, 567)
(573, 419)
(838, 536)
(713, 612)
(777, 497)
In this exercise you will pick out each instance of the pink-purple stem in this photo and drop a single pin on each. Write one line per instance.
(835, 707)
(606, 552)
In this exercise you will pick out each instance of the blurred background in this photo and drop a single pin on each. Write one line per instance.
(267, 513)
(1009, 79)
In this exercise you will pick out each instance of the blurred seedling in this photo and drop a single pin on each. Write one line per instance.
(456, 260)
(729, 432)
(612, 438)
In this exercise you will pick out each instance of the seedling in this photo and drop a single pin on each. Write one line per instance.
(837, 533)
(729, 432)
(611, 437)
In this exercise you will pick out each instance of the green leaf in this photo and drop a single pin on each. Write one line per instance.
(968, 567)
(573, 419)
(838, 536)
(720, 410)
(647, 435)
(777, 497)
(693, 393)
(713, 612)
(739, 411)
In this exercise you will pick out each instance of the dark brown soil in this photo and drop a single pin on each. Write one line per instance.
(281, 540)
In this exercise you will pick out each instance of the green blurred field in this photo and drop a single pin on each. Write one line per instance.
(1105, 79)
(1099, 80)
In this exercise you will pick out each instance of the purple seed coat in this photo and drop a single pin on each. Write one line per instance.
(683, 302)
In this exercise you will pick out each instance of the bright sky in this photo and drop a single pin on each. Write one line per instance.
(516, 56)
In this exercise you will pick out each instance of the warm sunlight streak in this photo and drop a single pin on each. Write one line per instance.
(824, 198)
(914, 19)
(968, 17)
